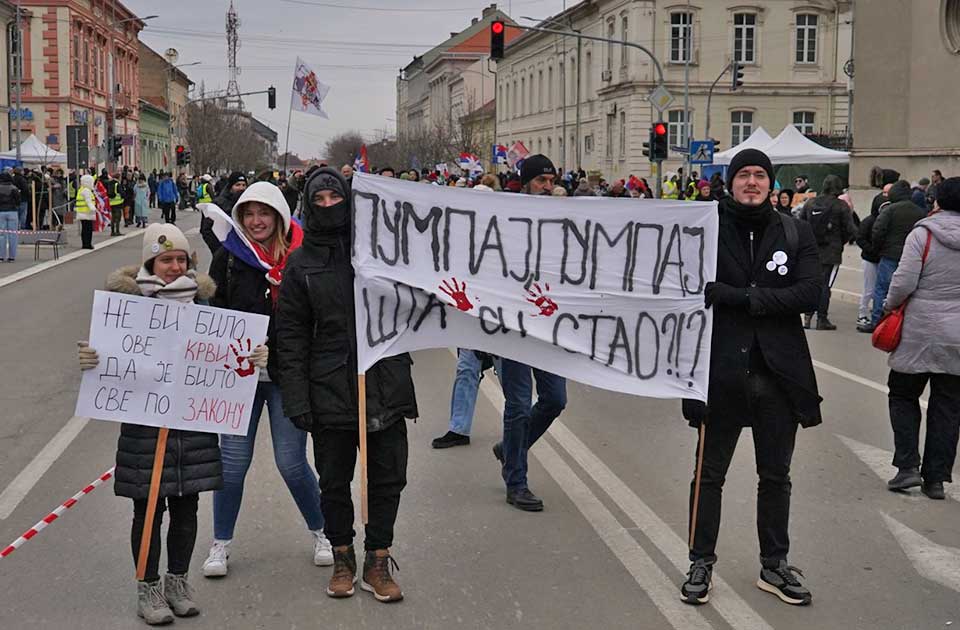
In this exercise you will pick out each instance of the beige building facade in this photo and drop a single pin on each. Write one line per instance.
(168, 87)
(793, 53)
(907, 99)
(7, 15)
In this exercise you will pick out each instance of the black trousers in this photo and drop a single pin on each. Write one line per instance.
(829, 277)
(335, 456)
(181, 534)
(86, 234)
(943, 422)
(169, 209)
(774, 434)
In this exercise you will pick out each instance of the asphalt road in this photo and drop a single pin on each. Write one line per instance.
(609, 551)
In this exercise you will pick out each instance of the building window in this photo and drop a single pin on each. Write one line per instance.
(681, 36)
(623, 37)
(588, 78)
(806, 38)
(623, 135)
(741, 126)
(803, 121)
(13, 35)
(549, 87)
(550, 148)
(540, 90)
(950, 20)
(523, 96)
(744, 37)
(516, 89)
(611, 34)
(573, 79)
(610, 122)
(86, 59)
(677, 128)
(588, 144)
(76, 53)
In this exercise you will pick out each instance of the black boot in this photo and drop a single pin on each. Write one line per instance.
(905, 479)
(451, 439)
(825, 324)
(933, 489)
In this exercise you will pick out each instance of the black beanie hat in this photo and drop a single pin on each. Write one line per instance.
(749, 157)
(948, 194)
(534, 166)
(235, 177)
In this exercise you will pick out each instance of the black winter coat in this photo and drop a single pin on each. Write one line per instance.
(841, 229)
(893, 225)
(316, 344)
(9, 197)
(191, 463)
(865, 239)
(768, 328)
(240, 287)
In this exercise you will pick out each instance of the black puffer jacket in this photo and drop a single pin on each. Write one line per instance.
(895, 222)
(316, 338)
(240, 287)
(9, 194)
(840, 228)
(191, 463)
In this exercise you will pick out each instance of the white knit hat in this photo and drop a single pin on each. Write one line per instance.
(162, 237)
(267, 194)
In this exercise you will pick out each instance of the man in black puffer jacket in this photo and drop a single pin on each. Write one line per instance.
(832, 223)
(870, 257)
(889, 234)
(316, 336)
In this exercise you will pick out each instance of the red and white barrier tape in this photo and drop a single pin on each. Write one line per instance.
(52, 516)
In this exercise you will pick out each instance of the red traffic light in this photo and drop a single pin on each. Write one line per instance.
(496, 27)
(660, 129)
(179, 148)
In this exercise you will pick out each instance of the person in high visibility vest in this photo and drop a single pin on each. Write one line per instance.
(86, 209)
(116, 202)
(669, 189)
(204, 190)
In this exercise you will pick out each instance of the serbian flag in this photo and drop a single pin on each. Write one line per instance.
(499, 154)
(470, 163)
(102, 215)
(235, 241)
(515, 153)
(361, 163)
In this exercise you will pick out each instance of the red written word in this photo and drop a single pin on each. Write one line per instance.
(213, 410)
(205, 351)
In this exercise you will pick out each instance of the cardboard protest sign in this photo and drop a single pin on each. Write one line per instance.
(168, 364)
(608, 292)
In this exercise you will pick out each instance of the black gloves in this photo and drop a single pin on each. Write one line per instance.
(304, 422)
(724, 295)
(694, 412)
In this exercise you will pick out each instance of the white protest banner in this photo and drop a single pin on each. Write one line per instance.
(607, 292)
(168, 364)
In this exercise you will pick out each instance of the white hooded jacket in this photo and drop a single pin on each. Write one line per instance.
(267, 194)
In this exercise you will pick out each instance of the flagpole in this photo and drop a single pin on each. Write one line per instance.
(286, 148)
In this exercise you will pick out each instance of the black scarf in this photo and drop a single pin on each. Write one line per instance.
(753, 217)
(327, 227)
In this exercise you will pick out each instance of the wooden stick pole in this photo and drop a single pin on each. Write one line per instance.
(362, 408)
(696, 483)
(152, 503)
(33, 204)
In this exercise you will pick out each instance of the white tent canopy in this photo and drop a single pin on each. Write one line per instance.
(757, 140)
(33, 151)
(792, 147)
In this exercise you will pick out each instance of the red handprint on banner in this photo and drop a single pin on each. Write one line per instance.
(540, 299)
(241, 359)
(458, 292)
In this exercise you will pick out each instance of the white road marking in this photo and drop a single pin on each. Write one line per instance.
(29, 476)
(932, 561)
(850, 376)
(31, 271)
(880, 462)
(725, 600)
(853, 269)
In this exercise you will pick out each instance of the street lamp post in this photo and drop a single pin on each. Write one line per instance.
(111, 129)
(19, 76)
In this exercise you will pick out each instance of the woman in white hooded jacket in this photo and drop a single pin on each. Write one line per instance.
(86, 209)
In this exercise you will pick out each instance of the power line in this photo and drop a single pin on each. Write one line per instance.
(331, 5)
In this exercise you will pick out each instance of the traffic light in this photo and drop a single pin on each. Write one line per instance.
(272, 97)
(648, 146)
(659, 141)
(737, 73)
(117, 149)
(186, 157)
(497, 29)
(180, 151)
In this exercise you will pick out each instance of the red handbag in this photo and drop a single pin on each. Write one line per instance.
(886, 336)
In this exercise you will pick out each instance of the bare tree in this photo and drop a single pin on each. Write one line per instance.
(221, 139)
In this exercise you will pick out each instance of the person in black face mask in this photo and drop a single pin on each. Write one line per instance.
(761, 373)
(317, 348)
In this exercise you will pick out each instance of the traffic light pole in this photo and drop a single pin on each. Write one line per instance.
(710, 97)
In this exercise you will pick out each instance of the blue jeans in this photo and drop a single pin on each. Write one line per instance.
(8, 236)
(465, 386)
(522, 424)
(22, 215)
(885, 269)
(289, 452)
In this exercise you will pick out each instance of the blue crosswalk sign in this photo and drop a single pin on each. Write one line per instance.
(701, 152)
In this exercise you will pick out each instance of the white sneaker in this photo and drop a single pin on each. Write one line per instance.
(216, 563)
(322, 550)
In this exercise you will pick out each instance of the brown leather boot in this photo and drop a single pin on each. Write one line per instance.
(344, 572)
(377, 578)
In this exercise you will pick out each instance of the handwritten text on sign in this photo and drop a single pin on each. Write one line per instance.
(168, 364)
(608, 292)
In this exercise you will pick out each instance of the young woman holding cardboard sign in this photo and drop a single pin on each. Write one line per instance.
(192, 463)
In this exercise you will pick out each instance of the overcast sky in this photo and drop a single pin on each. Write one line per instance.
(355, 46)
